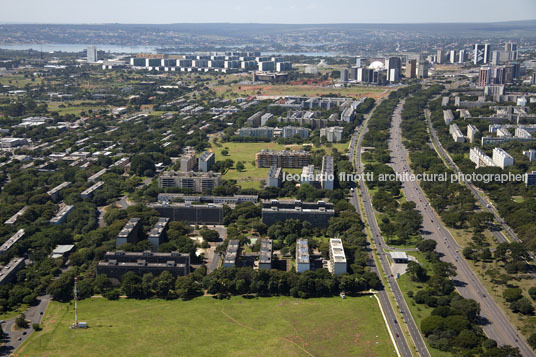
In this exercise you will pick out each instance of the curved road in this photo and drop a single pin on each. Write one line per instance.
(495, 323)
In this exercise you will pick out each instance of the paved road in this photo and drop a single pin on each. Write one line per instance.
(380, 245)
(34, 314)
(480, 197)
(495, 323)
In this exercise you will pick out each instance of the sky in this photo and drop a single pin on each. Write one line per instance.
(265, 11)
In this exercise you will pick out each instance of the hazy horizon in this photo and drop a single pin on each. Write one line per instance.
(276, 12)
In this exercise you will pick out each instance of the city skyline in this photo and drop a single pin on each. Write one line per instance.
(241, 11)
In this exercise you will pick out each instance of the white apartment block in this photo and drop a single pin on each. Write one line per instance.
(480, 158)
(501, 158)
(471, 131)
(456, 133)
(333, 134)
(337, 258)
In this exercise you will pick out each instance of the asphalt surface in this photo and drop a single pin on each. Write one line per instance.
(486, 204)
(380, 245)
(34, 314)
(494, 322)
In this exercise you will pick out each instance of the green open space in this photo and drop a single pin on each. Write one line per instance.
(300, 90)
(277, 326)
(251, 176)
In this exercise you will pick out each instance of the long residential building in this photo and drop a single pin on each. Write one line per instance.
(303, 262)
(456, 133)
(13, 219)
(88, 193)
(116, 264)
(229, 200)
(317, 213)
(231, 255)
(337, 258)
(501, 158)
(55, 192)
(62, 214)
(265, 256)
(193, 214)
(194, 181)
(130, 233)
(471, 132)
(275, 177)
(283, 158)
(328, 173)
(157, 234)
(480, 158)
(448, 116)
(97, 175)
(8, 272)
(11, 241)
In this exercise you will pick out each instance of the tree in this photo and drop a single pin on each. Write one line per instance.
(416, 271)
(36, 327)
(512, 294)
(522, 306)
(468, 252)
(141, 164)
(532, 293)
(532, 341)
(431, 323)
(210, 235)
(61, 289)
(240, 166)
(21, 322)
(427, 245)
(131, 285)
(466, 340)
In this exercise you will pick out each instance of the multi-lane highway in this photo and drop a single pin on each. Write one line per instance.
(368, 216)
(497, 325)
(485, 203)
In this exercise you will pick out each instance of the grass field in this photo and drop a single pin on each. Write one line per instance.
(278, 326)
(301, 90)
(251, 176)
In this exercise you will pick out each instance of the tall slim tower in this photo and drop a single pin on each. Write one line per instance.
(487, 53)
(75, 325)
(92, 54)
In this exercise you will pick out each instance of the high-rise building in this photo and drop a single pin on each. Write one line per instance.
(358, 62)
(461, 56)
(393, 65)
(411, 68)
(440, 57)
(510, 49)
(422, 69)
(344, 75)
(452, 56)
(482, 54)
(485, 76)
(92, 54)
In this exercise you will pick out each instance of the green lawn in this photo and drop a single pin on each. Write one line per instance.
(279, 326)
(251, 176)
